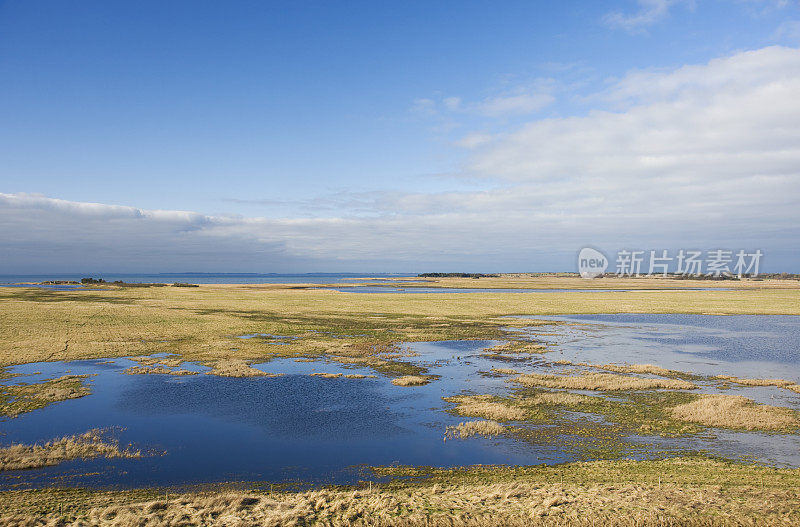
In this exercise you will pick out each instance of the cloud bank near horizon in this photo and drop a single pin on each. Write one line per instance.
(702, 156)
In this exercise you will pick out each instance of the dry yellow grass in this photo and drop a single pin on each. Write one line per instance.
(485, 406)
(513, 504)
(601, 382)
(84, 446)
(326, 375)
(735, 411)
(517, 346)
(197, 323)
(474, 428)
(16, 399)
(562, 398)
(505, 371)
(623, 493)
(146, 360)
(411, 380)
(650, 369)
(781, 383)
(237, 368)
(647, 369)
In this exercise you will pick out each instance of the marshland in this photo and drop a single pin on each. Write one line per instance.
(297, 402)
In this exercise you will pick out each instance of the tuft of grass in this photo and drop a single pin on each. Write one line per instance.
(411, 380)
(516, 347)
(780, 383)
(156, 370)
(505, 371)
(601, 382)
(735, 411)
(88, 445)
(237, 368)
(21, 398)
(326, 375)
(474, 428)
(647, 369)
(170, 362)
(486, 407)
(632, 412)
(562, 399)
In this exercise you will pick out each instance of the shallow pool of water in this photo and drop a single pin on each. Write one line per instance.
(53, 287)
(741, 345)
(294, 427)
(297, 427)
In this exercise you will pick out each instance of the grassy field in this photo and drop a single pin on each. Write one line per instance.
(679, 491)
(202, 323)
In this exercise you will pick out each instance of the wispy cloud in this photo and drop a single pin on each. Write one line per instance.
(515, 104)
(516, 101)
(788, 31)
(649, 12)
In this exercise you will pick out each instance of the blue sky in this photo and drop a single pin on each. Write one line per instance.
(372, 136)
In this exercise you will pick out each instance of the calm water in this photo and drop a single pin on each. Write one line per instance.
(302, 428)
(53, 287)
(295, 427)
(741, 345)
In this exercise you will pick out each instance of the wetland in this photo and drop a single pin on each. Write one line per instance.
(130, 390)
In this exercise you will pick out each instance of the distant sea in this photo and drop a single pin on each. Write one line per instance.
(204, 278)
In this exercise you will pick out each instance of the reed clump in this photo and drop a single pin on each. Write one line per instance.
(486, 407)
(147, 360)
(780, 383)
(21, 398)
(517, 346)
(88, 445)
(735, 411)
(647, 369)
(505, 371)
(237, 368)
(411, 380)
(474, 428)
(601, 382)
(156, 370)
(562, 398)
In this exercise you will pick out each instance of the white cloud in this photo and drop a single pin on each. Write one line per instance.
(731, 117)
